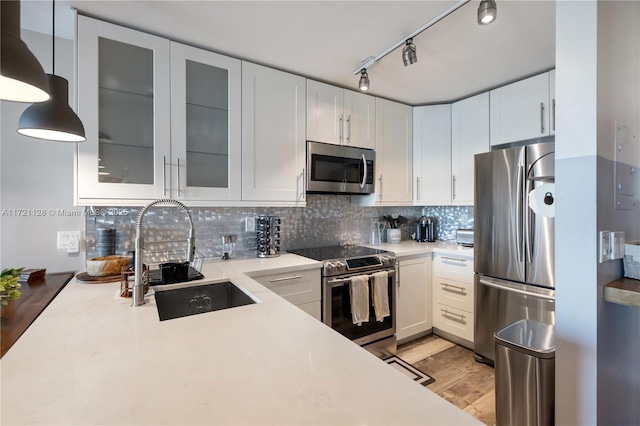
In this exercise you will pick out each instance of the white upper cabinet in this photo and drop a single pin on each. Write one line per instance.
(394, 153)
(273, 135)
(340, 116)
(205, 125)
(552, 101)
(469, 136)
(521, 110)
(432, 155)
(123, 101)
(162, 119)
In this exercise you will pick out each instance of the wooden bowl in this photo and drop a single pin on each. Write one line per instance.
(107, 265)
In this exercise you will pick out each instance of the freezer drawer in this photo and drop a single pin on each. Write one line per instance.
(499, 303)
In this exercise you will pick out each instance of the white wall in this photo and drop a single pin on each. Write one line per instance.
(597, 85)
(37, 174)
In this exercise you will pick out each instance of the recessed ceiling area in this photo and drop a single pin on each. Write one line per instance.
(328, 40)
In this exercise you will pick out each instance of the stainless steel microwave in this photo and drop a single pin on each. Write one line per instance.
(339, 169)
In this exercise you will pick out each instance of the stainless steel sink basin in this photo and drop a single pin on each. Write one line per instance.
(198, 299)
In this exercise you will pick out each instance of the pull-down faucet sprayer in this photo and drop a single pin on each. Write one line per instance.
(137, 298)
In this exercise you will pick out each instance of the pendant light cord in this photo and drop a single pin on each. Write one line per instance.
(53, 37)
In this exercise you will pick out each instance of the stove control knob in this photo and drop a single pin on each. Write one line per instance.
(330, 267)
(340, 266)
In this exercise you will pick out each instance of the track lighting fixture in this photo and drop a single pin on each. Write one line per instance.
(363, 84)
(409, 55)
(53, 119)
(22, 78)
(487, 12)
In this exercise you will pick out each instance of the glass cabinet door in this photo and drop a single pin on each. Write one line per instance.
(205, 126)
(124, 92)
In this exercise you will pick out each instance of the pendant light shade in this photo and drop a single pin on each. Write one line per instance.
(363, 84)
(487, 12)
(54, 119)
(22, 78)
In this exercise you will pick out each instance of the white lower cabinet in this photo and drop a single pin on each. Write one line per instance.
(302, 288)
(453, 297)
(413, 298)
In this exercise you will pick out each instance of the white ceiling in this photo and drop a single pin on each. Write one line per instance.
(328, 40)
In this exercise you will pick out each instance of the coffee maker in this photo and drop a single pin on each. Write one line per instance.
(426, 229)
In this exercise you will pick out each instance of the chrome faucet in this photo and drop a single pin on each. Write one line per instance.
(137, 296)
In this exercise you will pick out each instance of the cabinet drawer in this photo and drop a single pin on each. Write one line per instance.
(454, 293)
(453, 268)
(454, 321)
(297, 287)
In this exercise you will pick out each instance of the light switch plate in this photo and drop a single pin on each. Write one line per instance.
(69, 240)
(605, 246)
(250, 224)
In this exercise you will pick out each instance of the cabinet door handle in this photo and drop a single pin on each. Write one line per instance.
(178, 177)
(553, 114)
(458, 287)
(542, 117)
(418, 188)
(462, 261)
(164, 175)
(341, 122)
(298, 185)
(380, 184)
(292, 277)
(446, 312)
(453, 187)
(349, 130)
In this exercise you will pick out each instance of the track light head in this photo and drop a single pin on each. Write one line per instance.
(409, 55)
(487, 12)
(363, 84)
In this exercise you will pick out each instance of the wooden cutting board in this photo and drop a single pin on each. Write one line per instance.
(85, 278)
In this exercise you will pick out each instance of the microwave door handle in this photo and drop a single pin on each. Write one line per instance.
(364, 174)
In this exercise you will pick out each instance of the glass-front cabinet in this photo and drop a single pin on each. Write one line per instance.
(124, 103)
(205, 125)
(162, 119)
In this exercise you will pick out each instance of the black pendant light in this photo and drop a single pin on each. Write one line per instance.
(22, 78)
(54, 119)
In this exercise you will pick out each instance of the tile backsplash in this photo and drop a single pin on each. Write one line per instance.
(326, 220)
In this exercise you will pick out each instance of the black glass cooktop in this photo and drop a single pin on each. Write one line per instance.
(336, 252)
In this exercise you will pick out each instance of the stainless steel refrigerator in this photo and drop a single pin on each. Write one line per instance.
(514, 246)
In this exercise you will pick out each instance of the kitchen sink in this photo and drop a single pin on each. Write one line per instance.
(198, 299)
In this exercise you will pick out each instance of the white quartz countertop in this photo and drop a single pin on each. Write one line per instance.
(90, 358)
(411, 247)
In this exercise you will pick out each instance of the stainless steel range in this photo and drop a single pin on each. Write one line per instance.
(340, 265)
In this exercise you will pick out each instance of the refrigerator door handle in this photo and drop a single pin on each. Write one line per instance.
(529, 223)
(519, 205)
(516, 290)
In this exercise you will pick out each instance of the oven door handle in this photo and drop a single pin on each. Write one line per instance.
(391, 273)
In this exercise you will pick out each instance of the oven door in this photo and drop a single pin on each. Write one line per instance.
(339, 169)
(336, 310)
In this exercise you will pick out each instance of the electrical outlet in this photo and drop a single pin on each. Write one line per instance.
(617, 245)
(605, 246)
(250, 224)
(464, 218)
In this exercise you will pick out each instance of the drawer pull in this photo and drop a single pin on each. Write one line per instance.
(457, 287)
(291, 277)
(453, 259)
(446, 312)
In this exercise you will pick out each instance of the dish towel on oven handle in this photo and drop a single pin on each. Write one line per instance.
(359, 295)
(381, 295)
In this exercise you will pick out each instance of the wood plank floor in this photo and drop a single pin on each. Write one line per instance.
(461, 380)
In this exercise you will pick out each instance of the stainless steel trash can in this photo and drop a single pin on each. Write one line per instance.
(525, 374)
